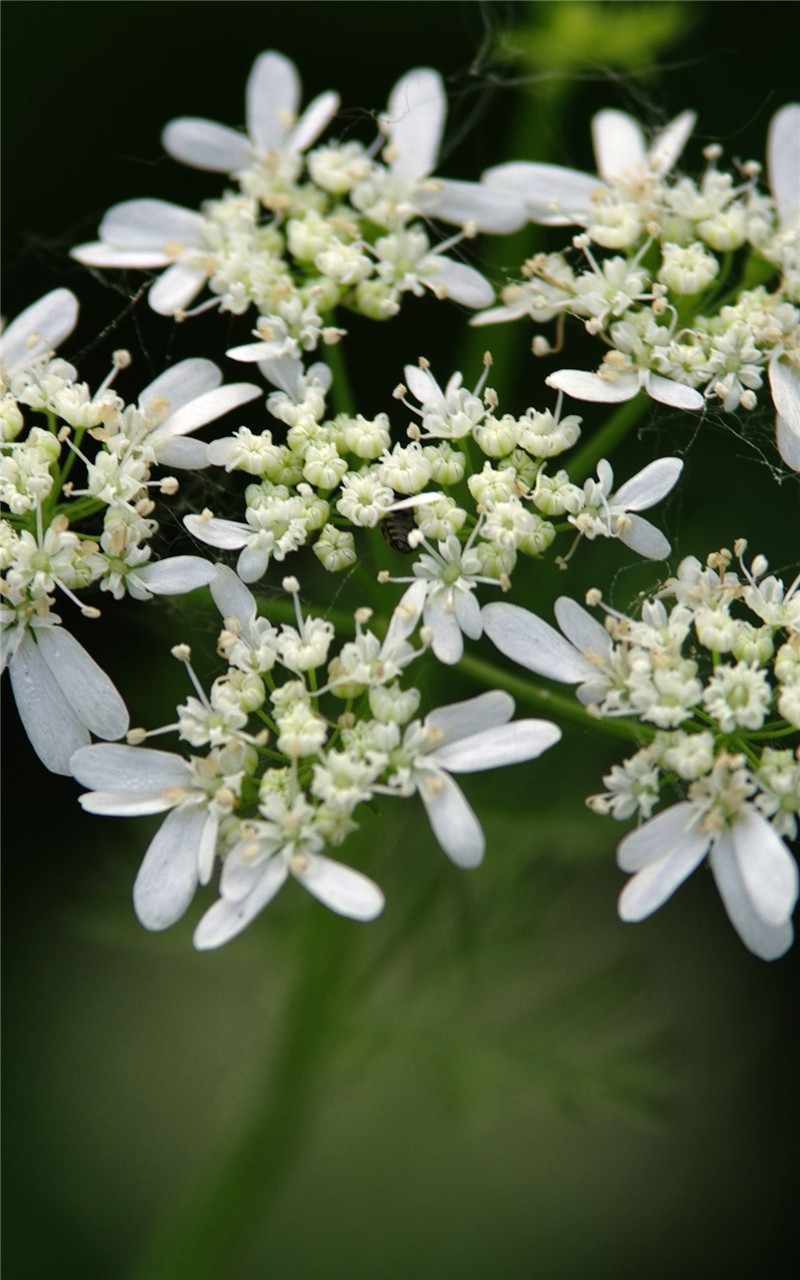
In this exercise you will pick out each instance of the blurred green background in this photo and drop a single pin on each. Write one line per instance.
(497, 1079)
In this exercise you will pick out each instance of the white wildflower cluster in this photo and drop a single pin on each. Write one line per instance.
(77, 512)
(266, 802)
(304, 230)
(655, 278)
(717, 677)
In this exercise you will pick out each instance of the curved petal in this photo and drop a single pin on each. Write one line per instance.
(407, 614)
(649, 485)
(645, 539)
(492, 209)
(767, 868)
(656, 838)
(455, 280)
(453, 822)
(473, 715)
(554, 195)
(176, 575)
(179, 385)
(618, 144)
(534, 644)
(231, 596)
(226, 919)
(107, 766)
(784, 385)
(225, 534)
(788, 442)
(494, 748)
(150, 224)
(448, 642)
(176, 288)
(183, 452)
(316, 117)
(669, 143)
(272, 98)
(206, 407)
(424, 387)
(590, 386)
(252, 563)
(783, 162)
(675, 394)
(764, 940)
(52, 726)
(468, 613)
(344, 890)
(100, 254)
(167, 878)
(90, 692)
(203, 144)
(51, 319)
(654, 884)
(416, 115)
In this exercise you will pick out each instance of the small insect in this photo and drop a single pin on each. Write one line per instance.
(396, 527)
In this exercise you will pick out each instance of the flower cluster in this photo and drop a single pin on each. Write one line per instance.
(59, 534)
(717, 677)
(269, 802)
(305, 229)
(655, 284)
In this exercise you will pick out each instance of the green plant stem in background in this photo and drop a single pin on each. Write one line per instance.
(341, 388)
(603, 442)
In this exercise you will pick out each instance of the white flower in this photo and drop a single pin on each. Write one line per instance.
(612, 515)
(580, 656)
(618, 381)
(62, 695)
(145, 234)
(414, 123)
(132, 781)
(558, 196)
(754, 871)
(272, 98)
(464, 737)
(37, 331)
(183, 399)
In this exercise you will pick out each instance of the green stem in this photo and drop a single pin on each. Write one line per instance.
(566, 707)
(604, 441)
(341, 389)
(207, 1237)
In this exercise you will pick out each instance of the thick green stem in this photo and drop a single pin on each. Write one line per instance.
(604, 441)
(341, 389)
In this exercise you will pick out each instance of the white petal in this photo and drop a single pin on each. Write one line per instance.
(167, 878)
(272, 99)
(231, 596)
(669, 143)
(100, 254)
(457, 281)
(534, 644)
(120, 768)
(249, 353)
(764, 940)
(52, 318)
(675, 394)
(206, 145)
(89, 691)
(454, 824)
(179, 385)
(225, 534)
(422, 384)
(176, 288)
(768, 870)
(473, 715)
(650, 887)
(119, 804)
(788, 442)
(656, 838)
(252, 563)
(176, 575)
(783, 162)
(645, 539)
(649, 485)
(344, 890)
(491, 209)
(416, 114)
(618, 144)
(316, 117)
(468, 613)
(226, 919)
(242, 873)
(494, 748)
(583, 630)
(183, 453)
(554, 195)
(784, 384)
(54, 729)
(448, 642)
(150, 224)
(590, 386)
(407, 614)
(206, 407)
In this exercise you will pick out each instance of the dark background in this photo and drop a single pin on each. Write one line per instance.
(511, 1083)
